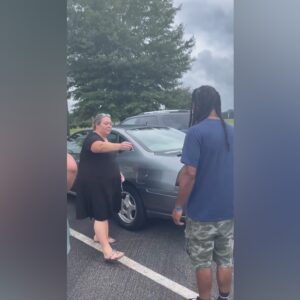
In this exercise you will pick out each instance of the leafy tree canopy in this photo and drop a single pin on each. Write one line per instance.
(125, 57)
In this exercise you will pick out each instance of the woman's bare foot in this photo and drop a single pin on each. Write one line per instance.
(114, 256)
(110, 240)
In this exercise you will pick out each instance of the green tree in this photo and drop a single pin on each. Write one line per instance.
(125, 56)
(229, 114)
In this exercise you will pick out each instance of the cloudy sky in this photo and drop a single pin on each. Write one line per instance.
(211, 24)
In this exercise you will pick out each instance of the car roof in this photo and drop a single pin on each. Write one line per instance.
(167, 111)
(158, 112)
(135, 127)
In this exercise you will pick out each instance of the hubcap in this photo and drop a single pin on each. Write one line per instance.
(128, 209)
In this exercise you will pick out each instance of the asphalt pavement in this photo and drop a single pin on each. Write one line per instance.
(158, 247)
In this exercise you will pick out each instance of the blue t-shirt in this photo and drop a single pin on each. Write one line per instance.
(204, 148)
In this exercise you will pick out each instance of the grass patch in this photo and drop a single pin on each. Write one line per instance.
(73, 130)
(230, 121)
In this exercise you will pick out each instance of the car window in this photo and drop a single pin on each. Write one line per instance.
(147, 121)
(113, 137)
(74, 137)
(158, 139)
(79, 137)
(122, 139)
(131, 121)
(178, 121)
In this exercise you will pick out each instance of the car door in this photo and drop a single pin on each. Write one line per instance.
(132, 164)
(128, 160)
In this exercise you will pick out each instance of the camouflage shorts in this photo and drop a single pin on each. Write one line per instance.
(209, 241)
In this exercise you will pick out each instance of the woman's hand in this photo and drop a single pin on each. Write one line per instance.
(125, 146)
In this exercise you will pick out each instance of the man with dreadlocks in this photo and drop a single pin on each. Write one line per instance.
(206, 183)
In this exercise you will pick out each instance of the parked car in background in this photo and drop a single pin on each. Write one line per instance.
(78, 137)
(74, 148)
(150, 170)
(178, 119)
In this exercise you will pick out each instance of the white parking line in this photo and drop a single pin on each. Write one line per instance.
(156, 277)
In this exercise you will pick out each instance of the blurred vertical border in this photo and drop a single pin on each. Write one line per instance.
(33, 150)
(267, 149)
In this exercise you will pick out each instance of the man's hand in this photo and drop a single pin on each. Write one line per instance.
(176, 215)
(186, 182)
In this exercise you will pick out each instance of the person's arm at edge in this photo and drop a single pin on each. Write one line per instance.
(186, 183)
(71, 171)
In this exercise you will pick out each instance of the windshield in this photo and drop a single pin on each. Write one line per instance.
(158, 139)
(179, 121)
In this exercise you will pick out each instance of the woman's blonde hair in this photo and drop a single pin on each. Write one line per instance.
(97, 120)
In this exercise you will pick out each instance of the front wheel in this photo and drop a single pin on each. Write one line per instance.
(132, 214)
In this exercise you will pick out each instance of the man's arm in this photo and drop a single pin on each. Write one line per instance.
(186, 183)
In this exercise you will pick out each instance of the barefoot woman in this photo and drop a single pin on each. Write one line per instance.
(99, 182)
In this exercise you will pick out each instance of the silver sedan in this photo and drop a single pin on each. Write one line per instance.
(150, 171)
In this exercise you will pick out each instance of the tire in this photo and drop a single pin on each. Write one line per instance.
(132, 215)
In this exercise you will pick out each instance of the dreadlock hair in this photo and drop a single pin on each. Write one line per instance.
(204, 100)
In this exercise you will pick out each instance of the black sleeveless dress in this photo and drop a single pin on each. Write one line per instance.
(98, 184)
